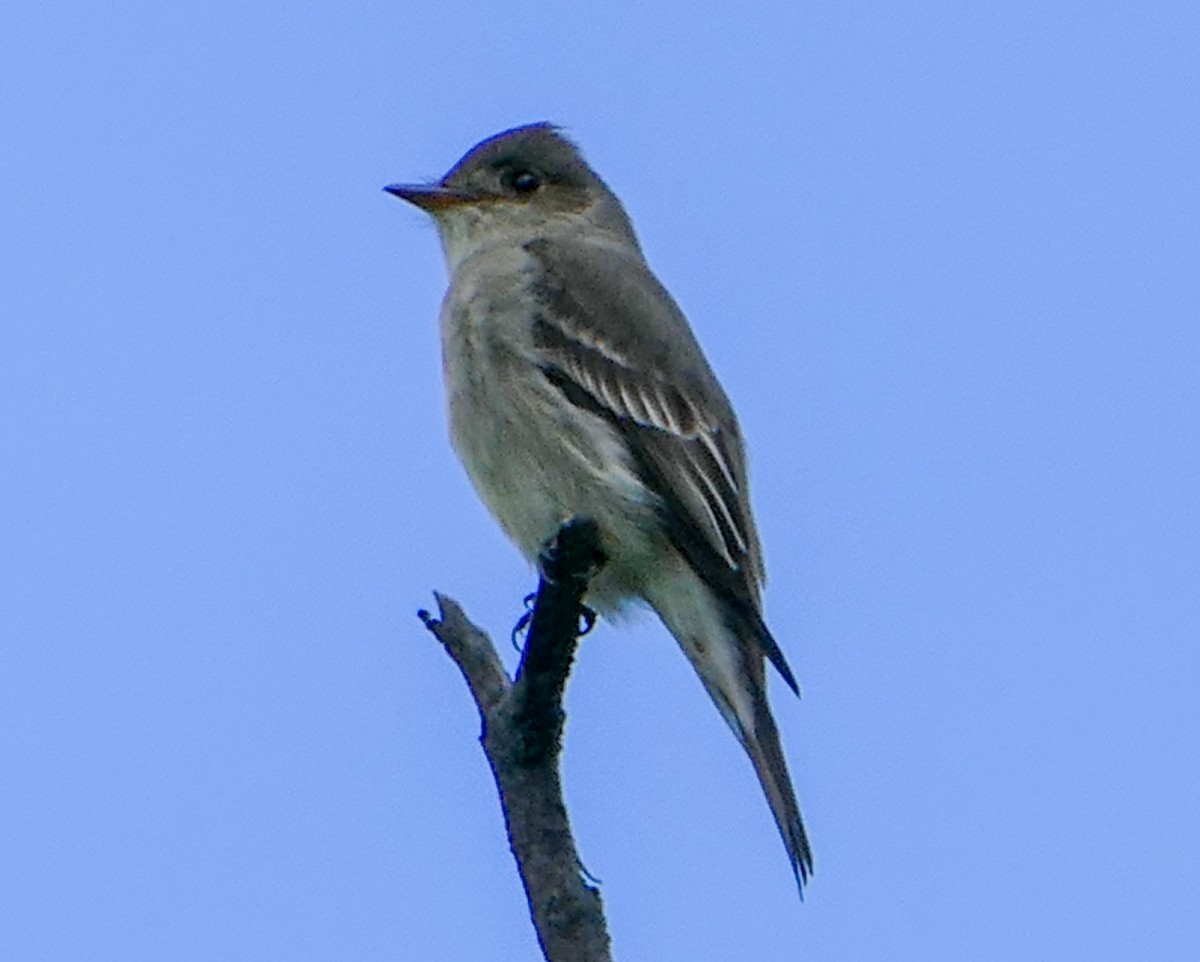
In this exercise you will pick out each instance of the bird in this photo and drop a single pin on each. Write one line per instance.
(576, 388)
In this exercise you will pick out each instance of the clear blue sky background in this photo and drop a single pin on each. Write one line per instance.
(946, 259)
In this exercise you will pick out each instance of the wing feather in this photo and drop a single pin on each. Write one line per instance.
(669, 406)
(615, 343)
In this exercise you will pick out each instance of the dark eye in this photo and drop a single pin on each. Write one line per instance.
(525, 181)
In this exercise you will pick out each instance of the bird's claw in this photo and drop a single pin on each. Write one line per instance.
(587, 621)
(523, 622)
(588, 878)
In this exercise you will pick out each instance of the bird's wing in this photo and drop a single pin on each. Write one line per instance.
(614, 342)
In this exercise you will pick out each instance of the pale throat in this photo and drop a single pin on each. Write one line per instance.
(465, 231)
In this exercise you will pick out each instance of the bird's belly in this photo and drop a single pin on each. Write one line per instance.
(537, 461)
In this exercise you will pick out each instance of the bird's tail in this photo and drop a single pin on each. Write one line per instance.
(766, 753)
(727, 653)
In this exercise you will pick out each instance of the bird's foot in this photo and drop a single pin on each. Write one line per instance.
(563, 549)
(522, 624)
(587, 621)
(588, 878)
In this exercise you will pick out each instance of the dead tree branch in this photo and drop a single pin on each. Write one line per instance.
(522, 738)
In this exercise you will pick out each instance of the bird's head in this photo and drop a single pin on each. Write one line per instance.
(521, 184)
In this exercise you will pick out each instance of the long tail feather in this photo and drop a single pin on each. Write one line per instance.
(727, 653)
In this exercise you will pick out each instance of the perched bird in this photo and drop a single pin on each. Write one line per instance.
(576, 388)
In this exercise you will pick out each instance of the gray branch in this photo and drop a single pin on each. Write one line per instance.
(522, 738)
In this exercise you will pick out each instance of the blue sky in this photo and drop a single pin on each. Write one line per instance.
(944, 258)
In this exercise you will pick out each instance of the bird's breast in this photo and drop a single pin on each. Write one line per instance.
(535, 458)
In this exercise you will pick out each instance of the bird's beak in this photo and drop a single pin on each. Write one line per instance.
(429, 197)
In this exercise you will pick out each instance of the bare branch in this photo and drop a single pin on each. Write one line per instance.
(522, 730)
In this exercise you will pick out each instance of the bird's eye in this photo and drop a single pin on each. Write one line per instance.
(525, 181)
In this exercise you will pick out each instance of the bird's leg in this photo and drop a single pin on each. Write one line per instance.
(587, 621)
(549, 562)
(522, 624)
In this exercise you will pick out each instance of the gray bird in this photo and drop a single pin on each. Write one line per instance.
(576, 388)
